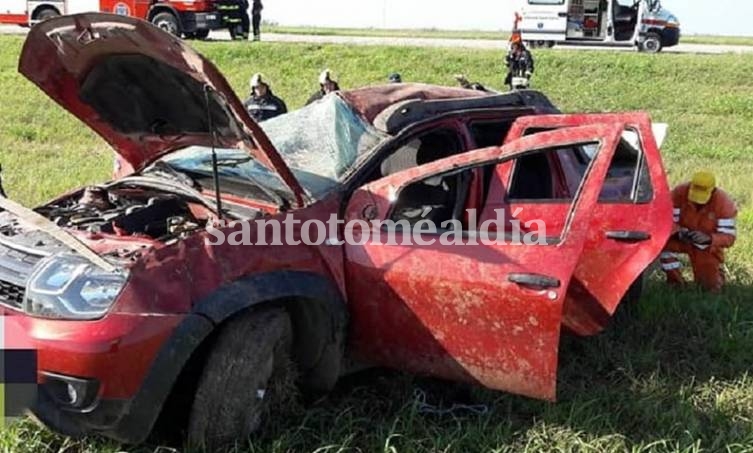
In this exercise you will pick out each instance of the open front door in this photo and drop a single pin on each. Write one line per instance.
(486, 310)
(632, 219)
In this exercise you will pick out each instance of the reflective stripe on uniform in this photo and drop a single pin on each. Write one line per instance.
(269, 107)
(671, 266)
(726, 223)
(730, 231)
(676, 215)
(669, 261)
(701, 246)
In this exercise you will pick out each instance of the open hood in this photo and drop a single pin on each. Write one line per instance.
(143, 90)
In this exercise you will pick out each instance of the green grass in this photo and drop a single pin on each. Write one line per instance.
(465, 34)
(672, 375)
(710, 39)
(387, 32)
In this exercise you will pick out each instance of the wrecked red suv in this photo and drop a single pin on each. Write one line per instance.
(135, 313)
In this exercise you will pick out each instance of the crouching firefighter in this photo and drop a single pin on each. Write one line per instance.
(262, 104)
(705, 225)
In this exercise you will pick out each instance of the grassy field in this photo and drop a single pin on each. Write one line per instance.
(465, 34)
(672, 374)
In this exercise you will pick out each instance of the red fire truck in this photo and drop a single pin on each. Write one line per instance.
(188, 18)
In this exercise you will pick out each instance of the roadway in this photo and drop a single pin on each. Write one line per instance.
(444, 42)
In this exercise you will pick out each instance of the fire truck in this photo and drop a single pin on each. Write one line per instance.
(187, 18)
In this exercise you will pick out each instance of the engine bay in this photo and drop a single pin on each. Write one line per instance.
(126, 211)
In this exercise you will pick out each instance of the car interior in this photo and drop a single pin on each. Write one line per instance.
(553, 175)
(593, 18)
(432, 199)
(446, 197)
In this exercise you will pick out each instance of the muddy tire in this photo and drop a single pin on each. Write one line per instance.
(247, 373)
(167, 22)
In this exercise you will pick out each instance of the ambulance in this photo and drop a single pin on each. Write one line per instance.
(187, 18)
(643, 24)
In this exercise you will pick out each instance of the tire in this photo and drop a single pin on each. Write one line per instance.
(652, 43)
(635, 292)
(550, 44)
(248, 371)
(167, 22)
(626, 310)
(46, 14)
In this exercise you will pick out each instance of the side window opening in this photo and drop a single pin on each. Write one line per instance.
(489, 133)
(628, 179)
(445, 197)
(532, 178)
(419, 150)
(437, 199)
(485, 134)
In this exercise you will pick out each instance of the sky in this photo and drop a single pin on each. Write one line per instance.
(726, 17)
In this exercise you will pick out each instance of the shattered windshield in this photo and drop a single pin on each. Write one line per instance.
(239, 173)
(320, 143)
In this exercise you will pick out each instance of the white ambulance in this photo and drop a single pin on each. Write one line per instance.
(644, 24)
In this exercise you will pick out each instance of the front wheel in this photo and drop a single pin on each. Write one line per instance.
(46, 14)
(247, 373)
(651, 44)
(167, 22)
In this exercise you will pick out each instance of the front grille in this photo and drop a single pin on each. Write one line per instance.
(15, 268)
(11, 295)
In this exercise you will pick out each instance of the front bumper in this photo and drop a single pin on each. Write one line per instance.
(193, 22)
(108, 418)
(670, 37)
(106, 362)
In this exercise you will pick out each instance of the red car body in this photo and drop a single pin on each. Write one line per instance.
(486, 314)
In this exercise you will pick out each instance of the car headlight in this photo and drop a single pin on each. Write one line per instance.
(70, 287)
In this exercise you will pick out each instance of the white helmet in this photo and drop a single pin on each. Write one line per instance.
(256, 81)
(325, 76)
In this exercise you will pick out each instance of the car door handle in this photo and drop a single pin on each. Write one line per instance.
(628, 236)
(535, 280)
(562, 14)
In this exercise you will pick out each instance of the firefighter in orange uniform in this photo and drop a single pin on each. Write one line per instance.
(705, 225)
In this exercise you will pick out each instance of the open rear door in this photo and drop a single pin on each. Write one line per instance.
(632, 219)
(484, 312)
